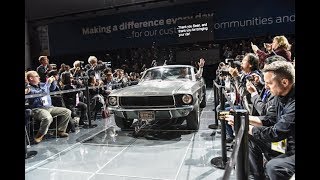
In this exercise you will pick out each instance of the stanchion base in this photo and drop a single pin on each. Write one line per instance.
(214, 126)
(218, 163)
(87, 126)
(30, 154)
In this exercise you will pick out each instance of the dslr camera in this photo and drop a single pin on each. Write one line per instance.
(250, 78)
(230, 62)
(224, 72)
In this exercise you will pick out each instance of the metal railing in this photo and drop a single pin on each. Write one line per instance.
(240, 154)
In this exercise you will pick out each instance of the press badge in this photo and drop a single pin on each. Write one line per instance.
(279, 146)
(77, 99)
(44, 101)
(97, 75)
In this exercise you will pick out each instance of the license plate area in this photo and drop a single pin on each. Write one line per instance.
(146, 115)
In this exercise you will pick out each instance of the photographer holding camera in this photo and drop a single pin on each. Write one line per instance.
(72, 100)
(222, 73)
(44, 68)
(94, 68)
(279, 46)
(262, 101)
(249, 65)
(77, 70)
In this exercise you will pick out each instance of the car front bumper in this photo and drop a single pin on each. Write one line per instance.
(160, 113)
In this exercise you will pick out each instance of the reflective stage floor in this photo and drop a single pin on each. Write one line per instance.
(99, 153)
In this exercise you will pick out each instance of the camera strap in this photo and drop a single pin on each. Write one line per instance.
(274, 52)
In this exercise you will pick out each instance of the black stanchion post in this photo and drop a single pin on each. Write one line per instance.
(223, 127)
(86, 83)
(28, 154)
(216, 102)
(220, 162)
(217, 93)
(242, 162)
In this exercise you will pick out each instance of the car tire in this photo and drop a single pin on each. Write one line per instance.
(193, 119)
(203, 103)
(124, 124)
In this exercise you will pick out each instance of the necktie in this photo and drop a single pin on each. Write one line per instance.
(265, 96)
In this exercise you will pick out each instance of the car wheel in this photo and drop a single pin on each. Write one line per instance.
(193, 119)
(203, 103)
(123, 123)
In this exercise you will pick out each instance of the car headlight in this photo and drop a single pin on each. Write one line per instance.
(187, 99)
(112, 100)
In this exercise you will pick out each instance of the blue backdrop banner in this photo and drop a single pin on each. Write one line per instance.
(216, 20)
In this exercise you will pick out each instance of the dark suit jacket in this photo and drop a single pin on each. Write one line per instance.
(260, 108)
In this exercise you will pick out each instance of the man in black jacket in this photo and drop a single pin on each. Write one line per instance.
(44, 68)
(261, 102)
(274, 134)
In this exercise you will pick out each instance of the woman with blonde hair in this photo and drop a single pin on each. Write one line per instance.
(279, 46)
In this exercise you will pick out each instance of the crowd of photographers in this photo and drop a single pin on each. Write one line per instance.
(263, 83)
(71, 108)
(258, 80)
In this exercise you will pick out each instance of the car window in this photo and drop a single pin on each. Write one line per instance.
(168, 73)
(151, 75)
(184, 73)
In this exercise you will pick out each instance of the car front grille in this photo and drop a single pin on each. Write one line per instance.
(147, 101)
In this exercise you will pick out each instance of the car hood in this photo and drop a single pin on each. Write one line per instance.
(156, 88)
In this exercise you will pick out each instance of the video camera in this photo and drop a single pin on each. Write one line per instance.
(230, 61)
(224, 71)
(239, 57)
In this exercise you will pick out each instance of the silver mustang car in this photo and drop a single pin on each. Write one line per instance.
(163, 93)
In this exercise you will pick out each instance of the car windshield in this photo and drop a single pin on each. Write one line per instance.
(168, 73)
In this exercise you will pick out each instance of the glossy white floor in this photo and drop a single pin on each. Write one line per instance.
(96, 154)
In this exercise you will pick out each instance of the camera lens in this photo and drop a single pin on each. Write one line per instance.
(250, 78)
